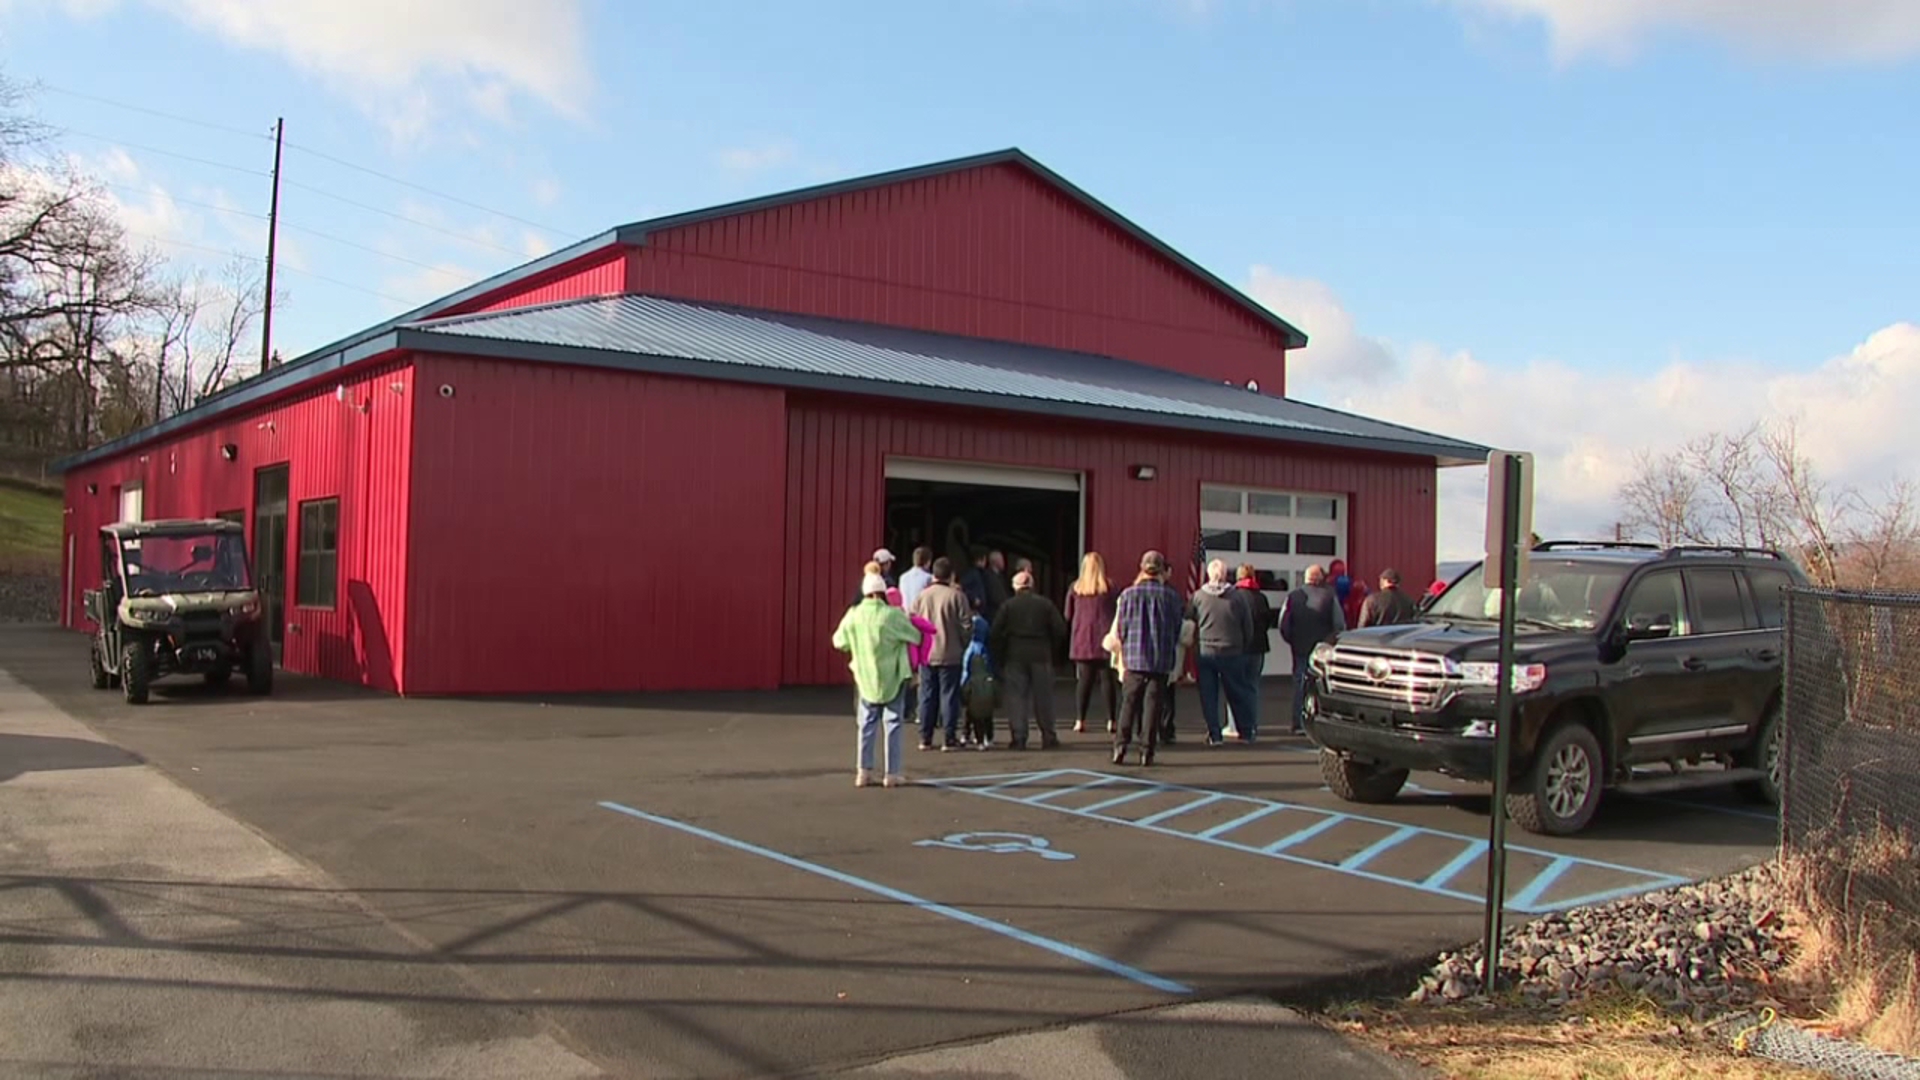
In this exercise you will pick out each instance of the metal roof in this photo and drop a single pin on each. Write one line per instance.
(317, 364)
(651, 333)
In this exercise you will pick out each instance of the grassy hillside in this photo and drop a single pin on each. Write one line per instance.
(29, 527)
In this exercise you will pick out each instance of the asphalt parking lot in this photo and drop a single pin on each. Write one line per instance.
(691, 885)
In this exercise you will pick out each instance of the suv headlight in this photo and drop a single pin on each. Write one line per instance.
(247, 609)
(1526, 677)
(1322, 656)
(148, 615)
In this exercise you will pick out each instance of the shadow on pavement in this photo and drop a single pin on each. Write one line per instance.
(20, 754)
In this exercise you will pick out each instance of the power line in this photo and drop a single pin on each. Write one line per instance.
(343, 162)
(294, 226)
(428, 190)
(155, 112)
(255, 258)
(167, 153)
(402, 217)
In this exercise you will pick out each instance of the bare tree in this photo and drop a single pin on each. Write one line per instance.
(197, 330)
(1882, 539)
(1664, 498)
(1813, 509)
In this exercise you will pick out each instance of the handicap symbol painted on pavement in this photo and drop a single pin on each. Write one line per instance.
(1000, 843)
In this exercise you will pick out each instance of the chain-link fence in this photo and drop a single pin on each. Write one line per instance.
(1850, 783)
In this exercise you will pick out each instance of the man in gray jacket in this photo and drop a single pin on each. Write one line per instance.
(1313, 616)
(1223, 619)
(951, 614)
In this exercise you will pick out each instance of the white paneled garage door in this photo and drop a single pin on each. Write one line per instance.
(1278, 532)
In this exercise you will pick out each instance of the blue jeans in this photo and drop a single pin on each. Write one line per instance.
(872, 715)
(1216, 673)
(940, 701)
(1300, 676)
(1246, 706)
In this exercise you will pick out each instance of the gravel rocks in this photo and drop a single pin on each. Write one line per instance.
(29, 598)
(1689, 948)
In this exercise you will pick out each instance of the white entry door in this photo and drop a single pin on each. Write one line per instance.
(1278, 532)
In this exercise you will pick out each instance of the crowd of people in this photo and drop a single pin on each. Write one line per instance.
(956, 649)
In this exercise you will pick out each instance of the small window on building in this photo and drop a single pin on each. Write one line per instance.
(1722, 610)
(1264, 505)
(318, 572)
(1220, 540)
(1219, 500)
(1270, 543)
(1316, 507)
(1314, 544)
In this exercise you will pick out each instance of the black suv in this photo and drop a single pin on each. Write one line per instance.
(1627, 656)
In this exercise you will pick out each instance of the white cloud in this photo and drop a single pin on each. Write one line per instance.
(545, 191)
(408, 63)
(1856, 30)
(422, 285)
(758, 158)
(1584, 426)
(1336, 352)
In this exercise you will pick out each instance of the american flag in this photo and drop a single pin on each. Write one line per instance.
(1197, 572)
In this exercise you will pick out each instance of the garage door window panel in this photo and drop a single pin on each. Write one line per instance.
(317, 573)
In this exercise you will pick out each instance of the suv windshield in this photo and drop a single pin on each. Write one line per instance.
(185, 563)
(1568, 593)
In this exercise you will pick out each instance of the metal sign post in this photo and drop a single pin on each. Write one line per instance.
(1509, 518)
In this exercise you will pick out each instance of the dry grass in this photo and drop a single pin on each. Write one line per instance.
(1856, 965)
(1618, 1034)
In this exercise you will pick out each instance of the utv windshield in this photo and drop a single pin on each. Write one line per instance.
(1560, 593)
(208, 562)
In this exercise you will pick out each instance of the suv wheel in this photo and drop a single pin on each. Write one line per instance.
(97, 666)
(1561, 793)
(1358, 782)
(1766, 754)
(136, 672)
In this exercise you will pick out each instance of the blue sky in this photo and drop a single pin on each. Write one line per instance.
(1622, 194)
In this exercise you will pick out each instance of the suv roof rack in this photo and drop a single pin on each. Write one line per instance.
(1723, 550)
(1617, 545)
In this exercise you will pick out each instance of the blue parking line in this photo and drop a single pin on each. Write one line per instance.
(1116, 800)
(1155, 819)
(1360, 858)
(1303, 835)
(1061, 948)
(1227, 827)
(1460, 862)
(1541, 882)
(1051, 792)
(1527, 901)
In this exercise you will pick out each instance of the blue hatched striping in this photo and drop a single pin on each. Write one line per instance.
(1529, 899)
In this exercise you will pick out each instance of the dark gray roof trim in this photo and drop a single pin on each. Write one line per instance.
(328, 358)
(655, 334)
(636, 233)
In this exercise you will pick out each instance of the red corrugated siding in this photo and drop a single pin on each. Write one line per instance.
(600, 274)
(331, 449)
(581, 530)
(990, 252)
(836, 486)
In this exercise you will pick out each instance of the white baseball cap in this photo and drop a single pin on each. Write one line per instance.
(883, 557)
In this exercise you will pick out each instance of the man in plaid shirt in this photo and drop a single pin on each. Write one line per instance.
(1147, 626)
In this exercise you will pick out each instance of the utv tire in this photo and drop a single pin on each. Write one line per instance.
(136, 672)
(1561, 792)
(260, 668)
(217, 678)
(97, 666)
(1768, 754)
(1358, 782)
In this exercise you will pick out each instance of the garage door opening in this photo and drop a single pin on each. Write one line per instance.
(955, 508)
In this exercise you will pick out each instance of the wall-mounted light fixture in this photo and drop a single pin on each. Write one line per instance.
(93, 489)
(229, 451)
(1145, 472)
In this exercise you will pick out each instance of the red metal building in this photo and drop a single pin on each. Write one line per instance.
(657, 459)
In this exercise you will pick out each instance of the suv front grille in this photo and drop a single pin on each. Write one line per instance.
(201, 625)
(1405, 678)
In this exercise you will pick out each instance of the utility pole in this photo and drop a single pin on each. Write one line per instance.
(273, 230)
